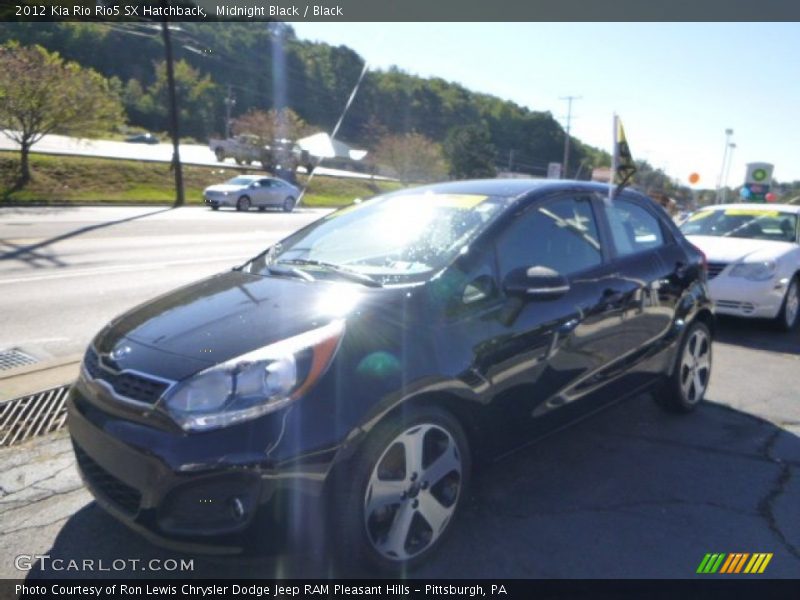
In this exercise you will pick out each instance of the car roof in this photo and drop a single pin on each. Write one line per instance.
(510, 188)
(790, 208)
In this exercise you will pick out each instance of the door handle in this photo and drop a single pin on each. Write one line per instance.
(568, 326)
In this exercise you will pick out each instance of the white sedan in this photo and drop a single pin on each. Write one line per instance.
(753, 254)
(245, 191)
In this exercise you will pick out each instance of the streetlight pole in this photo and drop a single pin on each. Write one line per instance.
(565, 164)
(728, 134)
(732, 147)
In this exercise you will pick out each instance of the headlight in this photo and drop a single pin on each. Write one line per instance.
(755, 271)
(255, 383)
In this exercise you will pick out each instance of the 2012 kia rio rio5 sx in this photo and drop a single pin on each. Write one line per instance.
(362, 364)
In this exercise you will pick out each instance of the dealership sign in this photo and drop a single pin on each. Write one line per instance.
(757, 181)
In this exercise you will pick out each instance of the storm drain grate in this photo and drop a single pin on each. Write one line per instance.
(10, 359)
(33, 415)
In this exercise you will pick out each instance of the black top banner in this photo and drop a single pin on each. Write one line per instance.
(401, 10)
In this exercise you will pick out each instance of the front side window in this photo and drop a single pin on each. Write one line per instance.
(560, 234)
(633, 228)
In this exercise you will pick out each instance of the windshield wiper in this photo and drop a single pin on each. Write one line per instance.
(346, 273)
(291, 272)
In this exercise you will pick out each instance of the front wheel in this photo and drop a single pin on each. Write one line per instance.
(405, 489)
(688, 383)
(220, 154)
(288, 204)
(243, 204)
(789, 315)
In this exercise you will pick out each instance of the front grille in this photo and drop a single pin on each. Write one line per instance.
(715, 269)
(120, 494)
(129, 385)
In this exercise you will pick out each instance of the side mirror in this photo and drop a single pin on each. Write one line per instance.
(537, 282)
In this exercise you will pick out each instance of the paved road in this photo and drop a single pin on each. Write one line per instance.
(191, 154)
(631, 492)
(64, 272)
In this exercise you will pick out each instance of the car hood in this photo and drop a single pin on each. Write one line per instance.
(225, 187)
(222, 317)
(730, 249)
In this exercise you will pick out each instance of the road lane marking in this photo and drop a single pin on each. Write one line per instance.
(112, 269)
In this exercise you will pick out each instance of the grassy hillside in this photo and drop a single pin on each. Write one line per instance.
(58, 179)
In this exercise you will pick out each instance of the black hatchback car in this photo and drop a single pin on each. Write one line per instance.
(361, 365)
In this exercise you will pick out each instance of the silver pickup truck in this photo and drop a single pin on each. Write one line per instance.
(244, 149)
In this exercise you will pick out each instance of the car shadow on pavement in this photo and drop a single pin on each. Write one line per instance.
(31, 255)
(757, 334)
(630, 493)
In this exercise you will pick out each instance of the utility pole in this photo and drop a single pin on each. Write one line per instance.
(230, 102)
(173, 111)
(565, 162)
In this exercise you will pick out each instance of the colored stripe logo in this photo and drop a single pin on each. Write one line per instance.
(736, 562)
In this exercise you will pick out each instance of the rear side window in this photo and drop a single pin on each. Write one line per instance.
(633, 228)
(560, 234)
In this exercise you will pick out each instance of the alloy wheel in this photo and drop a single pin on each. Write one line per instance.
(413, 492)
(792, 304)
(695, 366)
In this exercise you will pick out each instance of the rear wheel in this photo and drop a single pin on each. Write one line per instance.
(288, 204)
(220, 154)
(689, 380)
(243, 204)
(789, 315)
(405, 489)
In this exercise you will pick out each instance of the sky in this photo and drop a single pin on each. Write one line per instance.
(676, 86)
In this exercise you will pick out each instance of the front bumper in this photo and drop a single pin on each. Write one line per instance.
(214, 200)
(740, 297)
(153, 481)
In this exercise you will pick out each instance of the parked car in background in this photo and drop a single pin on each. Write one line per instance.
(246, 191)
(246, 149)
(356, 369)
(753, 254)
(142, 138)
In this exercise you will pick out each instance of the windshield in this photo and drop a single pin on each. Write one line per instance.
(752, 223)
(399, 238)
(240, 181)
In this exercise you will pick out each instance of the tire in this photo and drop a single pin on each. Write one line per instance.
(243, 204)
(398, 535)
(214, 206)
(220, 154)
(262, 208)
(288, 204)
(789, 314)
(688, 383)
(239, 161)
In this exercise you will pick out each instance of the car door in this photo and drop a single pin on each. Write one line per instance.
(530, 355)
(266, 192)
(650, 275)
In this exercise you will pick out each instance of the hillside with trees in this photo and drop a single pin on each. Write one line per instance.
(265, 66)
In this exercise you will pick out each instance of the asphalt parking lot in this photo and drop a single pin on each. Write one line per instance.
(629, 493)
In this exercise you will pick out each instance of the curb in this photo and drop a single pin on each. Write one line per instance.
(32, 379)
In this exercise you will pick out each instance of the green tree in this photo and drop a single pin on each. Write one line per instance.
(271, 125)
(411, 157)
(195, 94)
(470, 152)
(40, 93)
